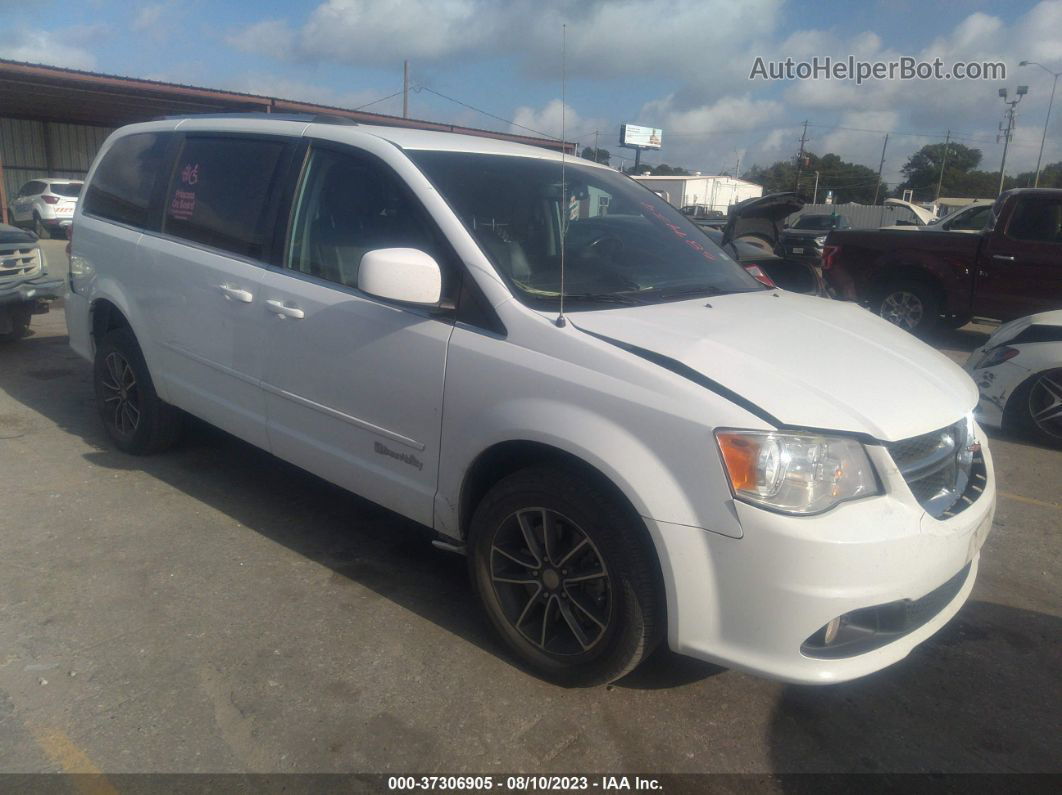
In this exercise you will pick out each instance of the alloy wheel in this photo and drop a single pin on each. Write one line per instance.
(121, 395)
(551, 582)
(903, 309)
(1045, 403)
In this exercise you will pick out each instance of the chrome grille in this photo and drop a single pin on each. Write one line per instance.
(944, 469)
(19, 260)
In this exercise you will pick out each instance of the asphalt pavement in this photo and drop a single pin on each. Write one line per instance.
(213, 609)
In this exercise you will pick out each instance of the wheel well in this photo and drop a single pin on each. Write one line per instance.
(505, 458)
(906, 273)
(106, 317)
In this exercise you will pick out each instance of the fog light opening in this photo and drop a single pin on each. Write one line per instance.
(830, 635)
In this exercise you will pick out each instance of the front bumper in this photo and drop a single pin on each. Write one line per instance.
(752, 602)
(41, 288)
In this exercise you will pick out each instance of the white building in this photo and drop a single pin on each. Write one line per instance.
(714, 193)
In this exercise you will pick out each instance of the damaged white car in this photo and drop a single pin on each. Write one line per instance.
(1019, 375)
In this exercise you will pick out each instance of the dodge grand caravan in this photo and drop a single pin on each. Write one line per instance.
(630, 437)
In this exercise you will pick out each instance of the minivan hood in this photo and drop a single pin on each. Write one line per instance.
(806, 361)
(921, 214)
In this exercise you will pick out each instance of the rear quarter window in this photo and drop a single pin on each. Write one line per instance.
(125, 180)
(221, 190)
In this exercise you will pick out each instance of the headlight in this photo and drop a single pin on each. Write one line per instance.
(997, 356)
(799, 473)
(820, 240)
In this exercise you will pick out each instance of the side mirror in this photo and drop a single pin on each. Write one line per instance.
(401, 274)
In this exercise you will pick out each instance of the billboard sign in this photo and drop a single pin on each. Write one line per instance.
(634, 137)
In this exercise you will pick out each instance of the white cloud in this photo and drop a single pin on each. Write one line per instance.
(148, 16)
(606, 38)
(56, 48)
(547, 120)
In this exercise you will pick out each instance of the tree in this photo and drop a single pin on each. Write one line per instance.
(1050, 177)
(597, 155)
(663, 170)
(849, 182)
(922, 172)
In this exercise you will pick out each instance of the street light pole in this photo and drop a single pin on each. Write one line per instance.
(1047, 121)
(1008, 131)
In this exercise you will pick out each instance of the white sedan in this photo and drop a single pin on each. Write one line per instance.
(1019, 375)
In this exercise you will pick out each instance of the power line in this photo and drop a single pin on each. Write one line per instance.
(486, 113)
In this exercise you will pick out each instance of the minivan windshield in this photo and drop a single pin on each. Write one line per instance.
(622, 243)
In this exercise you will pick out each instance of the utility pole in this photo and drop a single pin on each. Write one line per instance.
(943, 162)
(596, 150)
(881, 167)
(405, 89)
(800, 156)
(815, 196)
(737, 167)
(1008, 131)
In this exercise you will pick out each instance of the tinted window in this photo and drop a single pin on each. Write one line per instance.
(974, 220)
(70, 189)
(32, 189)
(125, 181)
(632, 248)
(220, 193)
(350, 205)
(821, 222)
(1038, 220)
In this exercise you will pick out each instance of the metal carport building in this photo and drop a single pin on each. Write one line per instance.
(53, 120)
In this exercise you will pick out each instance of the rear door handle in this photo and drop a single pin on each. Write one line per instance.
(282, 309)
(1004, 257)
(236, 293)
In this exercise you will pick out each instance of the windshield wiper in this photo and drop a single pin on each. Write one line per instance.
(603, 298)
(691, 292)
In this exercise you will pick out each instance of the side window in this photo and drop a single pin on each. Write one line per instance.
(125, 181)
(349, 205)
(221, 190)
(974, 220)
(1038, 220)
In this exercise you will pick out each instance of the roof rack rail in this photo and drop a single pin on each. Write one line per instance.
(310, 118)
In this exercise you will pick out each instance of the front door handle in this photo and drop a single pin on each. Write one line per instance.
(1003, 257)
(282, 309)
(236, 293)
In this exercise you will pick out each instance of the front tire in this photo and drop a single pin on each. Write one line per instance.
(567, 577)
(913, 306)
(136, 419)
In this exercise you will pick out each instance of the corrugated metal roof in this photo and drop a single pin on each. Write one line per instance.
(50, 93)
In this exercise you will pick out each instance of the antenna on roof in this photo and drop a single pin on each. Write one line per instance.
(560, 321)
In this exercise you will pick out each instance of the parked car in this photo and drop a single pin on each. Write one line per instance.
(45, 205)
(972, 218)
(704, 217)
(919, 216)
(806, 237)
(1019, 375)
(762, 217)
(629, 436)
(25, 288)
(1008, 270)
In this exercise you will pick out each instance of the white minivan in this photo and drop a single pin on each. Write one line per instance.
(631, 437)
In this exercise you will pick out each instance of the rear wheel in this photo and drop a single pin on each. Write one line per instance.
(136, 419)
(912, 306)
(1035, 407)
(40, 228)
(566, 576)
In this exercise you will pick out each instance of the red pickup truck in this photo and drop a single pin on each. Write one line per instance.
(921, 280)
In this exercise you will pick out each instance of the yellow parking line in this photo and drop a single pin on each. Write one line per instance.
(1030, 500)
(62, 750)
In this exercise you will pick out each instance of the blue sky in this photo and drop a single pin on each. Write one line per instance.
(681, 65)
